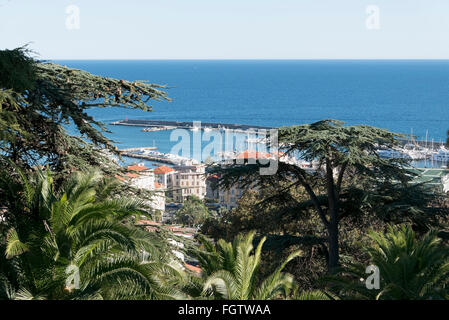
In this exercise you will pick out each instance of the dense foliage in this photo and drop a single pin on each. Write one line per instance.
(409, 269)
(231, 272)
(38, 100)
(68, 228)
(78, 228)
(193, 212)
(350, 178)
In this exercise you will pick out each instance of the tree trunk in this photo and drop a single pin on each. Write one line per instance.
(332, 227)
(333, 244)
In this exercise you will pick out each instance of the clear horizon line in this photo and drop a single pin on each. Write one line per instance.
(249, 59)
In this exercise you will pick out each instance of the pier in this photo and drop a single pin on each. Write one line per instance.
(168, 125)
(137, 153)
(149, 158)
(148, 153)
(137, 149)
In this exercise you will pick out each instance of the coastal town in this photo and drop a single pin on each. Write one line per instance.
(224, 154)
(178, 178)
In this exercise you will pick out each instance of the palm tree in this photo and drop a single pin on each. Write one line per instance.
(313, 295)
(193, 212)
(409, 268)
(230, 271)
(73, 243)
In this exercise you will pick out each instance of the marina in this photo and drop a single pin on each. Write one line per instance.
(421, 153)
(158, 125)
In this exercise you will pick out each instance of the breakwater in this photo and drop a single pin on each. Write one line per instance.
(137, 149)
(185, 124)
(149, 153)
(150, 158)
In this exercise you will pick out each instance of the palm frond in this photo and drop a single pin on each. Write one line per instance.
(14, 246)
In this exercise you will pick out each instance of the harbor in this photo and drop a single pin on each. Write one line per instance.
(150, 154)
(159, 125)
(422, 153)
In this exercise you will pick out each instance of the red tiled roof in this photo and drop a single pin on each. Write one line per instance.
(137, 168)
(193, 268)
(163, 170)
(250, 154)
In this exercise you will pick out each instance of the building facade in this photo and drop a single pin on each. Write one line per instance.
(142, 177)
(164, 176)
(188, 180)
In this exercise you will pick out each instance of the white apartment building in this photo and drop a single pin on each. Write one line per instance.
(179, 182)
(164, 175)
(142, 180)
(145, 179)
(158, 200)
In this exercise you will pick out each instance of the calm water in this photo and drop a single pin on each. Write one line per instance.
(401, 96)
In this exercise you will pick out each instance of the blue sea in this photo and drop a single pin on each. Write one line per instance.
(406, 96)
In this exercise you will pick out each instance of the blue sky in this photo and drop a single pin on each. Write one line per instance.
(228, 29)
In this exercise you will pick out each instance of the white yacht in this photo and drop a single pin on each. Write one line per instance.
(441, 155)
(416, 152)
(409, 151)
(396, 153)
